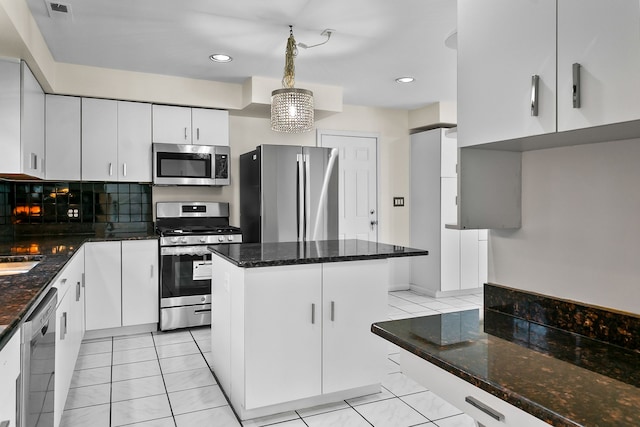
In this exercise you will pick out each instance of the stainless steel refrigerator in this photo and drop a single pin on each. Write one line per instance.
(289, 193)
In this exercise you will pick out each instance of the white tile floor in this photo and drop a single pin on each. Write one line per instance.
(164, 379)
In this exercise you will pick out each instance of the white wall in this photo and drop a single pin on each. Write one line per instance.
(246, 133)
(580, 235)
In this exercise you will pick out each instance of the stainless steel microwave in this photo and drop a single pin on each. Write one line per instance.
(190, 164)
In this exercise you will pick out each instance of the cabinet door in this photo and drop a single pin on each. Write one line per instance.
(210, 127)
(103, 293)
(9, 372)
(448, 155)
(171, 124)
(604, 38)
(449, 239)
(62, 138)
(283, 336)
(99, 139)
(32, 125)
(354, 296)
(134, 141)
(10, 160)
(139, 282)
(469, 259)
(66, 353)
(501, 45)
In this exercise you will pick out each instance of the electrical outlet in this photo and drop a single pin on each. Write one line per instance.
(398, 201)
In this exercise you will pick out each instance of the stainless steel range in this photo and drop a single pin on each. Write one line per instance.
(186, 228)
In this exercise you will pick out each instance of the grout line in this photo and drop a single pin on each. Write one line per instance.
(173, 416)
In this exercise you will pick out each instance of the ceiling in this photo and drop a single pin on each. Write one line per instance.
(374, 42)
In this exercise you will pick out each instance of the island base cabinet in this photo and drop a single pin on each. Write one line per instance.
(9, 373)
(495, 413)
(296, 336)
(352, 358)
(283, 331)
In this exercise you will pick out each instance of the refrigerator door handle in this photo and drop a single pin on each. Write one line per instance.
(307, 198)
(300, 186)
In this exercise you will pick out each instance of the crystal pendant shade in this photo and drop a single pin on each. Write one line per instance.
(291, 110)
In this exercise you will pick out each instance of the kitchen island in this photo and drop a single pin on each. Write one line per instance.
(290, 321)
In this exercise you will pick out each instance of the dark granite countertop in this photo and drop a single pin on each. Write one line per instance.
(249, 255)
(19, 292)
(598, 386)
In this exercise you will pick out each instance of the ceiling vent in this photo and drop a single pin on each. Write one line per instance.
(59, 11)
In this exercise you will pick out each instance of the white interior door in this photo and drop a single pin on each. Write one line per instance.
(358, 189)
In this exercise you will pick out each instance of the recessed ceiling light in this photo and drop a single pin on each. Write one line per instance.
(220, 57)
(404, 79)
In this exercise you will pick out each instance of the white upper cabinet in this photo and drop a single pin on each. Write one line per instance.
(99, 139)
(32, 125)
(116, 140)
(171, 125)
(184, 125)
(10, 160)
(502, 44)
(134, 141)
(592, 46)
(21, 121)
(209, 127)
(603, 37)
(62, 138)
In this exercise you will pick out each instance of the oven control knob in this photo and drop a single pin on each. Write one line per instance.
(220, 238)
(183, 240)
(174, 240)
(203, 240)
(230, 238)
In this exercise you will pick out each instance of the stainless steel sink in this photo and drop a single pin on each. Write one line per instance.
(17, 265)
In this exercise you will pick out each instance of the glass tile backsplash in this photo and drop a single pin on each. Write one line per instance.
(83, 203)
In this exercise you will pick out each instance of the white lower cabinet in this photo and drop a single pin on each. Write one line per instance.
(9, 373)
(121, 283)
(282, 303)
(139, 282)
(296, 336)
(103, 285)
(69, 328)
(459, 393)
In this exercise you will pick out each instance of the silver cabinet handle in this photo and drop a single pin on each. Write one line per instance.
(110, 169)
(313, 314)
(83, 280)
(185, 134)
(576, 85)
(34, 161)
(151, 271)
(63, 281)
(534, 94)
(124, 169)
(63, 321)
(77, 291)
(484, 408)
(198, 134)
(333, 311)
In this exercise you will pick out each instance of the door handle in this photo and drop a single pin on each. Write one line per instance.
(373, 224)
(576, 85)
(534, 94)
(484, 408)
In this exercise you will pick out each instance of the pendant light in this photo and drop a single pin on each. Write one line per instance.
(291, 108)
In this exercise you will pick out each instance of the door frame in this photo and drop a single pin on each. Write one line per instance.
(321, 132)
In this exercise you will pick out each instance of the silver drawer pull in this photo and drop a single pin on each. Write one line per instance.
(333, 311)
(484, 408)
(313, 314)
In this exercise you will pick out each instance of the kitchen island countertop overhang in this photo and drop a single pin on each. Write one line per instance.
(250, 255)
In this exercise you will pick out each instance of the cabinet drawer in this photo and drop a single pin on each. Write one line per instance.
(466, 396)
